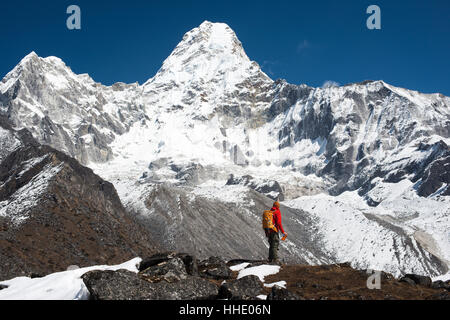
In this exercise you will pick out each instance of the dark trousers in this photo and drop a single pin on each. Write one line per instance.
(274, 242)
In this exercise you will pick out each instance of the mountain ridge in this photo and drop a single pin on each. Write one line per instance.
(54, 211)
(210, 113)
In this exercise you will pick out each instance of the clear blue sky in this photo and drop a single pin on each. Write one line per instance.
(301, 41)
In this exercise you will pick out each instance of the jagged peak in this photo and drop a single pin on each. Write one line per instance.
(210, 39)
(209, 52)
(218, 32)
(55, 68)
(33, 59)
(31, 55)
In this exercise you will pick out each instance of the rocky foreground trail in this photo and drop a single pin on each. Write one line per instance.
(175, 276)
(178, 276)
(342, 282)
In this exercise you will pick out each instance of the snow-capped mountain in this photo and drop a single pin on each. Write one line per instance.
(364, 168)
(65, 110)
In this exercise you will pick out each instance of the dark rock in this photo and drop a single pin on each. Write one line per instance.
(241, 289)
(126, 285)
(117, 285)
(279, 293)
(436, 175)
(214, 268)
(172, 270)
(417, 279)
(2, 286)
(441, 285)
(190, 262)
(408, 281)
(155, 260)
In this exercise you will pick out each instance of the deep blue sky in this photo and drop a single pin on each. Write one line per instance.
(301, 41)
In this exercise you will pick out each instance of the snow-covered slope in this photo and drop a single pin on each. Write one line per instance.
(404, 234)
(210, 112)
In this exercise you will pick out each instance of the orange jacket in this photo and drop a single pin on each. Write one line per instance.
(277, 219)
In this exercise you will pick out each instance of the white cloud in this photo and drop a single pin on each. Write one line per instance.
(268, 66)
(330, 84)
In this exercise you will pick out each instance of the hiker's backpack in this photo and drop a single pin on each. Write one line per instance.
(267, 220)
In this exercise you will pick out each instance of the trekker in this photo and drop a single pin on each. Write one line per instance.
(272, 232)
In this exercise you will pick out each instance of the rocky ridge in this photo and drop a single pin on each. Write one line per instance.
(176, 280)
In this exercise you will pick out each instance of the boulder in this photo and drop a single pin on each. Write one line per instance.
(214, 268)
(155, 260)
(117, 285)
(279, 293)
(241, 289)
(172, 270)
(126, 285)
(441, 285)
(408, 281)
(2, 286)
(417, 279)
(190, 262)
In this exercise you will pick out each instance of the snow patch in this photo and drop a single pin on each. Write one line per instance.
(239, 267)
(66, 285)
(281, 284)
(261, 271)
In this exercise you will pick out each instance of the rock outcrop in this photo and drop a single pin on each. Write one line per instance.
(417, 279)
(168, 280)
(126, 285)
(164, 276)
(55, 213)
